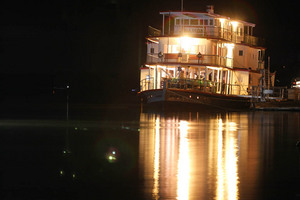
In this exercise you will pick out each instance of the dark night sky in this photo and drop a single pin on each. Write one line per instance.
(98, 46)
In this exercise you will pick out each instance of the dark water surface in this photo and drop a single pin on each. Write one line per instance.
(122, 153)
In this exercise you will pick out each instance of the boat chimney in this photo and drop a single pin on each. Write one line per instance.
(210, 9)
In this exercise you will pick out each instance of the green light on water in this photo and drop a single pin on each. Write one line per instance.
(111, 158)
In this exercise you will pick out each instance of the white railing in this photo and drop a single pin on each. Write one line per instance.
(273, 93)
(147, 84)
(219, 33)
(212, 60)
(196, 84)
(207, 86)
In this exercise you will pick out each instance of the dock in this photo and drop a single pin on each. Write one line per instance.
(278, 106)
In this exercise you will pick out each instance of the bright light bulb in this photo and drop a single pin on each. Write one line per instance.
(234, 25)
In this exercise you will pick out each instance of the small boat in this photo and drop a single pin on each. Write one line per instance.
(207, 59)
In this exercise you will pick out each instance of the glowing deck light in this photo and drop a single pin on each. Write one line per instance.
(230, 47)
(187, 43)
(222, 22)
(234, 25)
(296, 84)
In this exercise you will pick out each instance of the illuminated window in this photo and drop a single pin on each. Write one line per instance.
(260, 55)
(175, 49)
(177, 21)
(186, 21)
(217, 22)
(239, 31)
(201, 22)
(194, 21)
(194, 49)
(152, 50)
(206, 22)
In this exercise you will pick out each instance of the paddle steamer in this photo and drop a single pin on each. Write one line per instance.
(204, 58)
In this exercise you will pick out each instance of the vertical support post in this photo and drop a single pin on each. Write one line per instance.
(230, 74)
(205, 79)
(155, 77)
(221, 81)
(220, 54)
(269, 81)
(149, 78)
(163, 25)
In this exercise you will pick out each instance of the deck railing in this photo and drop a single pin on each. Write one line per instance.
(196, 84)
(256, 93)
(147, 84)
(207, 86)
(273, 93)
(212, 60)
(215, 32)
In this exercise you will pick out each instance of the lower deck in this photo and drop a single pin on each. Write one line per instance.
(189, 96)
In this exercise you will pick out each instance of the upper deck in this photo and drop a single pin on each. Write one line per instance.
(207, 25)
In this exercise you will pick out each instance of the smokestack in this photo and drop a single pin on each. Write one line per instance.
(210, 9)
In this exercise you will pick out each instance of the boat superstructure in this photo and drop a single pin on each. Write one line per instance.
(205, 58)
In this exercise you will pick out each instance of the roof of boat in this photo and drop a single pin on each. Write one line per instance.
(192, 14)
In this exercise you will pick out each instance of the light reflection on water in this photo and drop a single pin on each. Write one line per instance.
(205, 157)
(242, 155)
(183, 172)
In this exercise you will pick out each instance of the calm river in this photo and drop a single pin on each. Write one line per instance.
(123, 153)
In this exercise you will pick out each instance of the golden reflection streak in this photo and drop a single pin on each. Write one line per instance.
(231, 161)
(231, 169)
(220, 171)
(155, 191)
(227, 169)
(183, 176)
